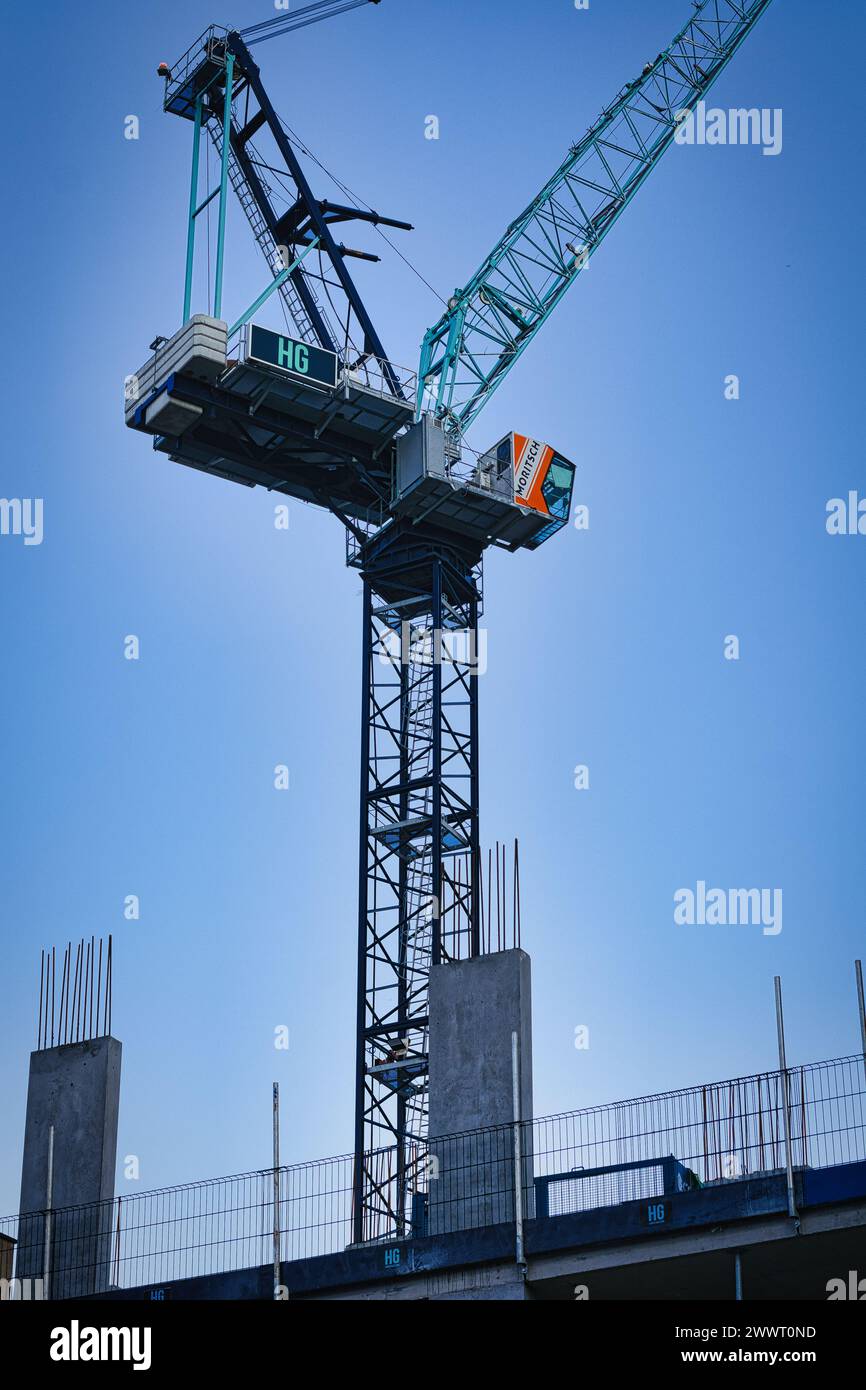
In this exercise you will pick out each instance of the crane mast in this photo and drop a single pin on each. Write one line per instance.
(488, 324)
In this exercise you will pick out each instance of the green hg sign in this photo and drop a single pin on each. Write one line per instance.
(295, 358)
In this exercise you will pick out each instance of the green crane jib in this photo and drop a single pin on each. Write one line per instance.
(489, 323)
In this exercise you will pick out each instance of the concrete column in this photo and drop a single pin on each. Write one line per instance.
(75, 1088)
(475, 1005)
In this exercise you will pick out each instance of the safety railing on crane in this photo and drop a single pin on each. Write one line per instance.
(209, 47)
(368, 374)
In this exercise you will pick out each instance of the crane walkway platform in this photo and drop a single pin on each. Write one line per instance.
(260, 408)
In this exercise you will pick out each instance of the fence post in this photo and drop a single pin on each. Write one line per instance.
(49, 1202)
(786, 1099)
(518, 1161)
(277, 1286)
(861, 1006)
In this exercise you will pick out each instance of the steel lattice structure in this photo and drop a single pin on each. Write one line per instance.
(419, 900)
(419, 515)
(489, 323)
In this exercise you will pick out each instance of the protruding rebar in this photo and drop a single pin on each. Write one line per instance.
(517, 891)
(92, 959)
(83, 1008)
(86, 984)
(78, 992)
(110, 983)
(41, 974)
(99, 986)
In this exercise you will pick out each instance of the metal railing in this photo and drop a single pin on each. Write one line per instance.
(368, 374)
(578, 1161)
(209, 47)
(364, 531)
(723, 1131)
(584, 1189)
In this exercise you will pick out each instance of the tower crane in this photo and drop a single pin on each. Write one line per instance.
(317, 410)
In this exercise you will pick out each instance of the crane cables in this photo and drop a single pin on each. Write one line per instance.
(360, 203)
(301, 19)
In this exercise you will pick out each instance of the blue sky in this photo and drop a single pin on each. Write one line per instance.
(605, 648)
